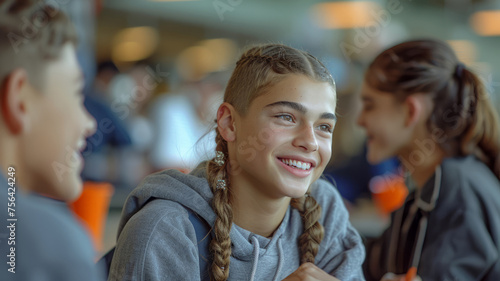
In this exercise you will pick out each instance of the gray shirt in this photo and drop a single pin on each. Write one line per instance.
(45, 243)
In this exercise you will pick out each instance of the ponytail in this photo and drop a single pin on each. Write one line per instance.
(220, 246)
(482, 137)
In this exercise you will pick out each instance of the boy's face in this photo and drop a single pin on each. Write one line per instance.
(58, 127)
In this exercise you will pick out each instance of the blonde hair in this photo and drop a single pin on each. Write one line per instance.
(258, 69)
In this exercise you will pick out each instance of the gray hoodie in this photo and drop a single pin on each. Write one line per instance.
(157, 241)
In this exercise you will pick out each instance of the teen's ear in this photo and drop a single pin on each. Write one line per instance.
(415, 109)
(226, 121)
(12, 101)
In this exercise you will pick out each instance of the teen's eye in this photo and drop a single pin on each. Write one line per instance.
(367, 107)
(326, 128)
(286, 117)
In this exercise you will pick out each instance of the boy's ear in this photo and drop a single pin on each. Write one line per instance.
(415, 109)
(12, 101)
(226, 121)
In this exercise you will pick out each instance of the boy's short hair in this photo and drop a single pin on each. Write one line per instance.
(31, 34)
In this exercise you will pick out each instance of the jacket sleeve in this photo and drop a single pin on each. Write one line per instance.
(341, 252)
(156, 244)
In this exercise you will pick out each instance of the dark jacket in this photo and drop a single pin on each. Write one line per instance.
(462, 238)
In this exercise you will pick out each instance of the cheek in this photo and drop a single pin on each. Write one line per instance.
(325, 151)
(270, 137)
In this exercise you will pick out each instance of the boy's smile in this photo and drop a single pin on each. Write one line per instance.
(58, 126)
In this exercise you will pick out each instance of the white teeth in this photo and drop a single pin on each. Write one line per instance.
(297, 164)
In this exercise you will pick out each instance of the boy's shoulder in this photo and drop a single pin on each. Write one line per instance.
(45, 240)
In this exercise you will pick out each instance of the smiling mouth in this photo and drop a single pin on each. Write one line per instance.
(296, 164)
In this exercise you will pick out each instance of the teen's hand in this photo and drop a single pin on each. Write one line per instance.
(310, 272)
(393, 277)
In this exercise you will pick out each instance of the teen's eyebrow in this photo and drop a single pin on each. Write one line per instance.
(327, 115)
(300, 108)
(296, 106)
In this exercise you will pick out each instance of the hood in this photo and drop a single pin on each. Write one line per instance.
(192, 191)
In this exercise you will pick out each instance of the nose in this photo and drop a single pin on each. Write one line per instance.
(306, 138)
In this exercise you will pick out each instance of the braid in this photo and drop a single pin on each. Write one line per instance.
(313, 234)
(257, 70)
(220, 246)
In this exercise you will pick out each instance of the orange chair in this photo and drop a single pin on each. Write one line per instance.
(92, 208)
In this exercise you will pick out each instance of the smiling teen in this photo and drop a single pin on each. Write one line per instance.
(269, 215)
(424, 106)
(43, 124)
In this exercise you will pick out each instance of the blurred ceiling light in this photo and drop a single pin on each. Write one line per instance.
(195, 63)
(486, 23)
(134, 44)
(341, 15)
(223, 52)
(466, 51)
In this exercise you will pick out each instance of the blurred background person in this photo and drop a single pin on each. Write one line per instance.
(421, 104)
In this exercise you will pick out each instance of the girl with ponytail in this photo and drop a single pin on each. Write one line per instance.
(423, 105)
(269, 215)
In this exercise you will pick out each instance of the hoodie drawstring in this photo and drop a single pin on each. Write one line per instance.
(256, 247)
(280, 260)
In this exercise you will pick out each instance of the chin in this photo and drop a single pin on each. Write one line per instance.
(375, 159)
(294, 191)
(72, 190)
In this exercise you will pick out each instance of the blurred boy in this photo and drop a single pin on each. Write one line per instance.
(43, 126)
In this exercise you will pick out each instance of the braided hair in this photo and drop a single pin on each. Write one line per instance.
(258, 69)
